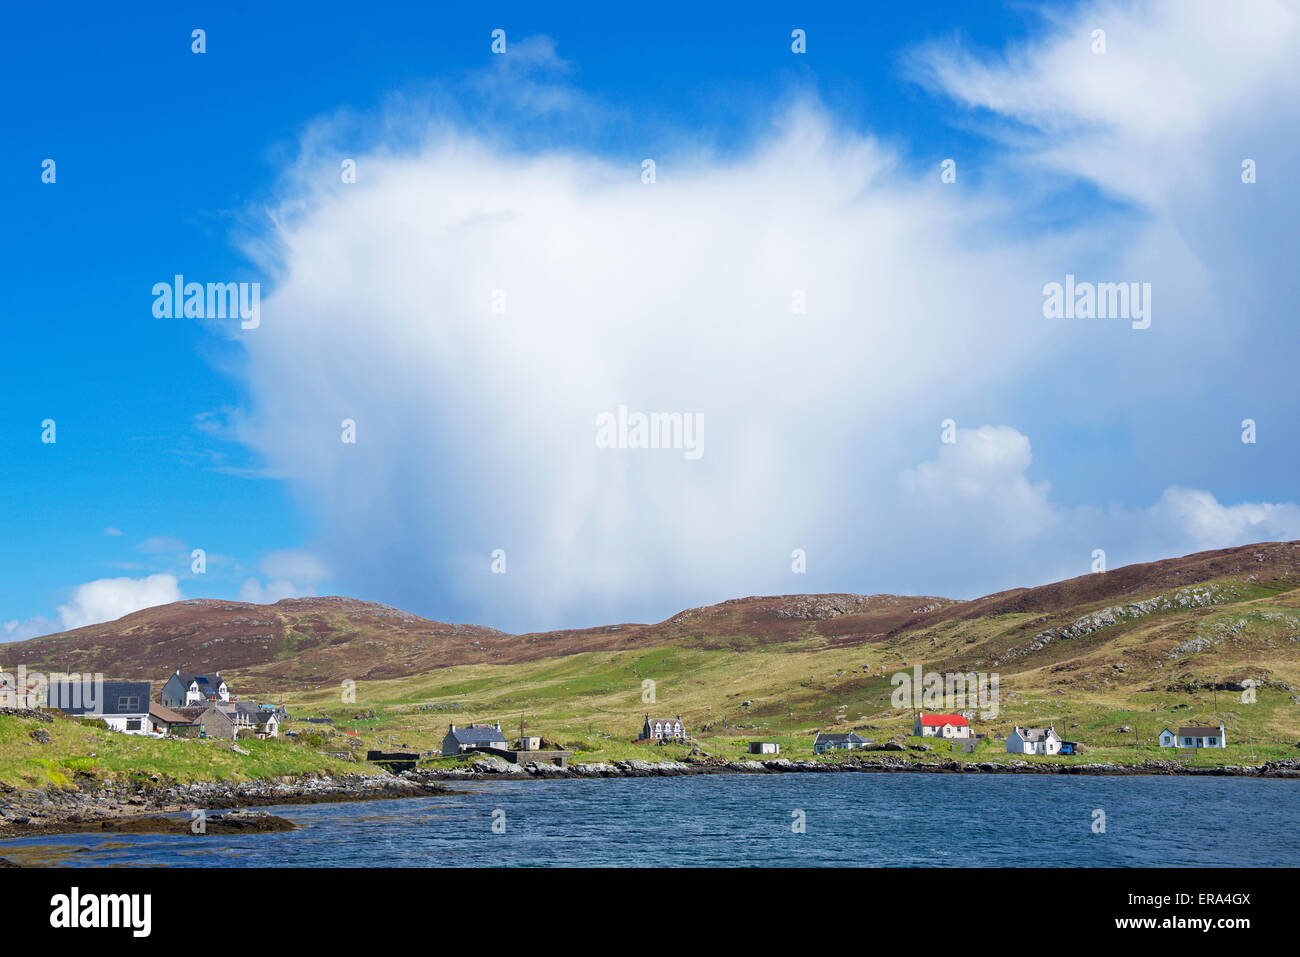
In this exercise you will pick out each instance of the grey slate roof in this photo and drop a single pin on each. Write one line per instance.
(848, 738)
(1035, 734)
(477, 734)
(208, 684)
(108, 698)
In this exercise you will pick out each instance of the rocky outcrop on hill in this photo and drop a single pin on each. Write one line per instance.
(1198, 597)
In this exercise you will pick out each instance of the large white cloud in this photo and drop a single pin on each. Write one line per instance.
(110, 598)
(476, 430)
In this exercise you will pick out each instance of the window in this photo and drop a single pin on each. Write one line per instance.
(133, 724)
(129, 703)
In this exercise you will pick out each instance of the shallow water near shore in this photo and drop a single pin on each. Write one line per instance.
(879, 820)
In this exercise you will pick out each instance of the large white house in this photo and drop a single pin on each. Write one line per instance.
(661, 729)
(1195, 736)
(182, 691)
(940, 726)
(1033, 741)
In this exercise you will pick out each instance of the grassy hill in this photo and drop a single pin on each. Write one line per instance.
(1139, 648)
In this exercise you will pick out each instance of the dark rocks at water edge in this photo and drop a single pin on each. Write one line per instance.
(93, 803)
(231, 822)
(490, 766)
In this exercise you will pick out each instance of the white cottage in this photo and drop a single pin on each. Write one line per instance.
(1195, 736)
(837, 742)
(1033, 741)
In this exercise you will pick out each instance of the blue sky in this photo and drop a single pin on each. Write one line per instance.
(178, 434)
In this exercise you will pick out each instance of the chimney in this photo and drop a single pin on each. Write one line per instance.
(453, 727)
(497, 726)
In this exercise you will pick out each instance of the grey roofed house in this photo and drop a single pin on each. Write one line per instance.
(840, 742)
(177, 690)
(1035, 734)
(474, 736)
(249, 714)
(216, 723)
(247, 708)
(106, 698)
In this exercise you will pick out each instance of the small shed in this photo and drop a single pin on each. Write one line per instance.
(764, 747)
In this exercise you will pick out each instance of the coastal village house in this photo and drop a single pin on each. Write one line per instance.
(193, 706)
(940, 726)
(837, 742)
(217, 720)
(1033, 741)
(1195, 737)
(211, 722)
(122, 705)
(260, 719)
(475, 736)
(662, 729)
(181, 691)
(163, 720)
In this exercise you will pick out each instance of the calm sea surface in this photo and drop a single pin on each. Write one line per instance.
(890, 820)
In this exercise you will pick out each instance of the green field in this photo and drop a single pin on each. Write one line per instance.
(593, 704)
(78, 752)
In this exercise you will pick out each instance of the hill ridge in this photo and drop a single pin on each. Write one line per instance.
(328, 638)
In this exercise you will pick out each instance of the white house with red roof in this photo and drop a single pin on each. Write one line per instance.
(940, 726)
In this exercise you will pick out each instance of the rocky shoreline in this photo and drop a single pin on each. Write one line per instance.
(492, 767)
(24, 813)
